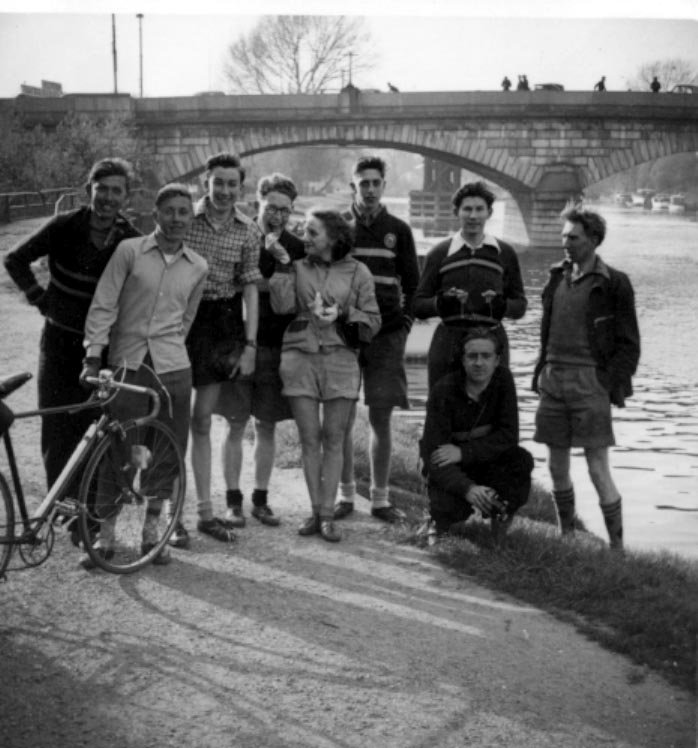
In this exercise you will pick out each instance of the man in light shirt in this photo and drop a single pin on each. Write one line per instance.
(143, 307)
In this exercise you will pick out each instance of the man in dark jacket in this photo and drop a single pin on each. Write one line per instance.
(590, 348)
(384, 243)
(469, 448)
(78, 246)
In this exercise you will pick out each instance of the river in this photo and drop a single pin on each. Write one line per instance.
(655, 462)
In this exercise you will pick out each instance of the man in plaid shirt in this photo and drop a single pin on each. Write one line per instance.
(221, 345)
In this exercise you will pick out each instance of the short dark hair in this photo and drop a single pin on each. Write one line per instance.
(593, 223)
(276, 182)
(472, 189)
(371, 162)
(483, 333)
(339, 231)
(173, 189)
(110, 167)
(227, 161)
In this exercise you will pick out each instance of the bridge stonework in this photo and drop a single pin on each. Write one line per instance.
(543, 147)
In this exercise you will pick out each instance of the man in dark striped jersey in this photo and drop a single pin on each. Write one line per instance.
(385, 244)
(471, 279)
(78, 246)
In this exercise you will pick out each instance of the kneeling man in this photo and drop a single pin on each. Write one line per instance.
(470, 448)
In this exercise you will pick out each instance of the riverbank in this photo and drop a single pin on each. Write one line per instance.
(282, 641)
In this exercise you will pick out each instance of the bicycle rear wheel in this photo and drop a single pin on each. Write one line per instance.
(132, 490)
(7, 525)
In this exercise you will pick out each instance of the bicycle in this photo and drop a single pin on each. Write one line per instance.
(130, 468)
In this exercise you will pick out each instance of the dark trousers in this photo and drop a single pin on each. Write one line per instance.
(60, 362)
(509, 475)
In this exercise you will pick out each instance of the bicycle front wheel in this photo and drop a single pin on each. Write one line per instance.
(7, 525)
(131, 496)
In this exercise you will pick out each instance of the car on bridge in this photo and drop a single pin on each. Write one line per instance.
(549, 87)
(684, 88)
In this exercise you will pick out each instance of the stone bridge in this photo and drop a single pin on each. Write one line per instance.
(543, 147)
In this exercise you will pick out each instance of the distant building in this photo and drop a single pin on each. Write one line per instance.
(49, 89)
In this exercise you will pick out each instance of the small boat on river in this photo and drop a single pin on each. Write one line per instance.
(677, 204)
(660, 202)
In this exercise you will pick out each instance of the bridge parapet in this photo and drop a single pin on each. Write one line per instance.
(522, 140)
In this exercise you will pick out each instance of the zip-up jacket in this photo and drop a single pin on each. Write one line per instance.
(611, 323)
(74, 263)
(348, 283)
(386, 247)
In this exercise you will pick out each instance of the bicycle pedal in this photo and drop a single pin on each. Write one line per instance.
(68, 507)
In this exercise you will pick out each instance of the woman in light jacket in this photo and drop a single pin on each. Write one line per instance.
(333, 298)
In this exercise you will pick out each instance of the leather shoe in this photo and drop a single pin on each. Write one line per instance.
(388, 514)
(234, 517)
(311, 526)
(162, 559)
(88, 564)
(343, 509)
(329, 532)
(265, 515)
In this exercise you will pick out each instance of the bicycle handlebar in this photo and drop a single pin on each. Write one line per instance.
(106, 385)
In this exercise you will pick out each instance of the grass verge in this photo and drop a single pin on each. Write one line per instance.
(642, 605)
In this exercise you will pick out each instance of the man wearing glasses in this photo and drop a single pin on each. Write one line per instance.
(259, 394)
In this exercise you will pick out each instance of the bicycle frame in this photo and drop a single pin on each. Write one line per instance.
(107, 389)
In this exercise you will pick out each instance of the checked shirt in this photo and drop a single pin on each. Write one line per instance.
(231, 250)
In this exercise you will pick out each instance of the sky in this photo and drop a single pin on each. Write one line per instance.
(425, 45)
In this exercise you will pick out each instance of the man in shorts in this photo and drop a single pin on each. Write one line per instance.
(260, 395)
(385, 244)
(222, 343)
(590, 348)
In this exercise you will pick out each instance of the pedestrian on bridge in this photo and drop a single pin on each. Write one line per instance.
(601, 85)
(655, 85)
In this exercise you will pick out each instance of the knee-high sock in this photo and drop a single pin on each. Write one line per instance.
(613, 517)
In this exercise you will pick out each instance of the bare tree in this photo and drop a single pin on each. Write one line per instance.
(668, 72)
(298, 54)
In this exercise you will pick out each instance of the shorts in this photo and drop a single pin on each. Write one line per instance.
(326, 375)
(383, 368)
(217, 325)
(574, 408)
(258, 395)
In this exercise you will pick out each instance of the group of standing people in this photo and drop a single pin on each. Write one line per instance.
(263, 325)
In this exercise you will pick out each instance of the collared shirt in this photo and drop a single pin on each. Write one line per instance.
(458, 242)
(143, 304)
(366, 217)
(230, 249)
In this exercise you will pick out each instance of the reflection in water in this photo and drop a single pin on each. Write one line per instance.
(656, 461)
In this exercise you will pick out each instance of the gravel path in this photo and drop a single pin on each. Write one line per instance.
(279, 640)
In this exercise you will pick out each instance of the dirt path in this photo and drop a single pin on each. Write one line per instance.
(282, 641)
